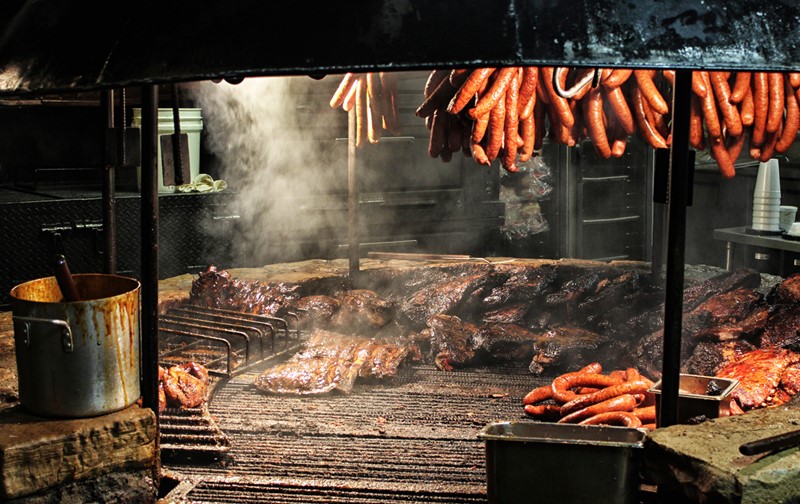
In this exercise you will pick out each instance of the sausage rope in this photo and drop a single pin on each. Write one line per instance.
(588, 396)
(607, 106)
(374, 97)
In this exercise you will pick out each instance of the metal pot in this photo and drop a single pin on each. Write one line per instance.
(81, 358)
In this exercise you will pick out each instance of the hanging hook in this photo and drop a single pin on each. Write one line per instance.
(576, 88)
(596, 77)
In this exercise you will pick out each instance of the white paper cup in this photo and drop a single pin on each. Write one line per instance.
(766, 227)
(787, 215)
(794, 229)
(766, 215)
(768, 178)
(767, 198)
(760, 207)
(766, 222)
(767, 209)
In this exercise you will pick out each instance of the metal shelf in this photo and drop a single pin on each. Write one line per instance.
(740, 235)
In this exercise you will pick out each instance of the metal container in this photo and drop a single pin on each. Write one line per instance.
(77, 359)
(699, 397)
(562, 463)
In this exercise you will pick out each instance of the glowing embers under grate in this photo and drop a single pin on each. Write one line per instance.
(225, 342)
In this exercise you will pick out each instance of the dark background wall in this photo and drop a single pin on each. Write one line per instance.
(51, 155)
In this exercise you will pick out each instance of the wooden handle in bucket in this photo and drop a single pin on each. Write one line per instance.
(64, 279)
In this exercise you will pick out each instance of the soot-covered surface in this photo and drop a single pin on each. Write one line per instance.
(412, 439)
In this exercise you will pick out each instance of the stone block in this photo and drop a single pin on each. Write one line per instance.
(39, 453)
(703, 463)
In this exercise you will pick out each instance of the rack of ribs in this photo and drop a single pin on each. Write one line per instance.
(761, 375)
(331, 361)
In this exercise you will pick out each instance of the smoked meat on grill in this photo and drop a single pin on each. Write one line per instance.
(182, 386)
(331, 361)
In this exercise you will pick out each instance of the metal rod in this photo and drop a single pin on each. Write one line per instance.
(418, 257)
(676, 247)
(729, 255)
(657, 260)
(149, 257)
(176, 144)
(109, 193)
(352, 195)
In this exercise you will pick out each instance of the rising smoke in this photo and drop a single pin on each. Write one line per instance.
(275, 140)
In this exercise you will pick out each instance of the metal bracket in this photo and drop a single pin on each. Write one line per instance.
(66, 331)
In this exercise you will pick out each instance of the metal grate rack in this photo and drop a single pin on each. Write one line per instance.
(412, 439)
(191, 435)
(227, 343)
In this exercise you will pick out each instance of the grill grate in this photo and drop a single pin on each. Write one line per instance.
(226, 343)
(412, 439)
(224, 492)
(190, 434)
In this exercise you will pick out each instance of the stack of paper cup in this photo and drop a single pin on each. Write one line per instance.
(767, 197)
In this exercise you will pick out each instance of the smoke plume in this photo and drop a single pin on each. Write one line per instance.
(275, 140)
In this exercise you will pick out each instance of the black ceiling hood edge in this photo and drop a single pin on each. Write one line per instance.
(57, 46)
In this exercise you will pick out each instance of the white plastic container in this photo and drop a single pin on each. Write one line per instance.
(787, 216)
(191, 124)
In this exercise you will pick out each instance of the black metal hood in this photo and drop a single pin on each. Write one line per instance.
(68, 45)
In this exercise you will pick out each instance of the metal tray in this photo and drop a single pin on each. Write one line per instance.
(538, 462)
(695, 403)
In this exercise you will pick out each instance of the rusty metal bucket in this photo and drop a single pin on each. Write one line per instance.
(81, 358)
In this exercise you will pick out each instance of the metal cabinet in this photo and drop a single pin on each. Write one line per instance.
(608, 202)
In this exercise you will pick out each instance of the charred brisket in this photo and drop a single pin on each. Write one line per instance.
(501, 342)
(314, 311)
(450, 341)
(447, 297)
(710, 356)
(569, 348)
(361, 311)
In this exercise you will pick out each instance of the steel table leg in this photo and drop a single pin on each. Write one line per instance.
(729, 256)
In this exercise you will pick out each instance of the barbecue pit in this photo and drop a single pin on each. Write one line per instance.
(677, 35)
(415, 434)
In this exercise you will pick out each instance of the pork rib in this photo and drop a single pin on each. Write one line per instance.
(331, 361)
(759, 373)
